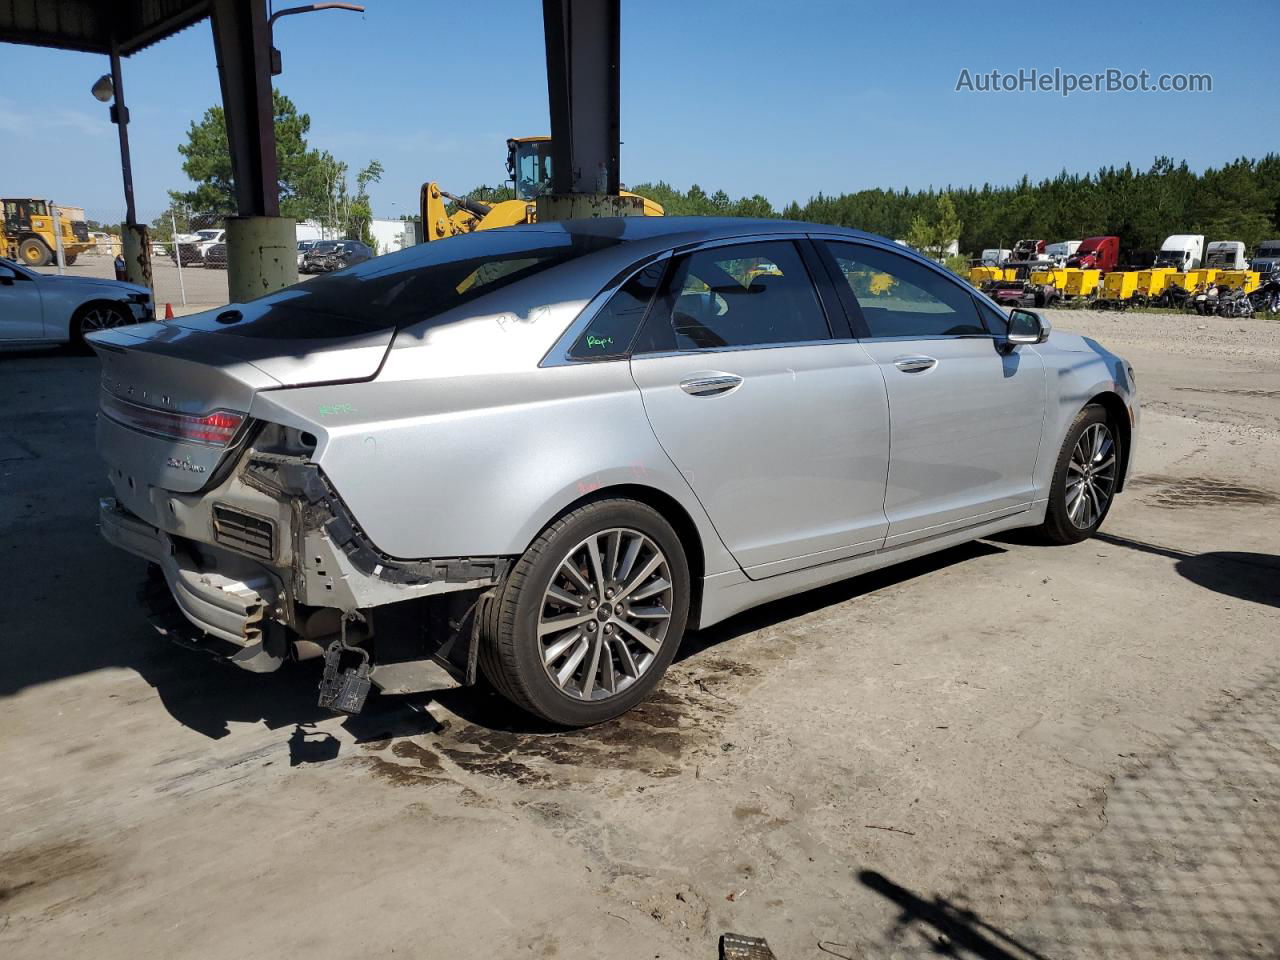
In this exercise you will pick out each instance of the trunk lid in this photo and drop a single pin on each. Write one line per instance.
(158, 374)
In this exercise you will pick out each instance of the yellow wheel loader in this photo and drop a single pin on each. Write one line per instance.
(26, 233)
(529, 168)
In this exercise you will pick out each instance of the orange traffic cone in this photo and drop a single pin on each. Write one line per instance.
(168, 311)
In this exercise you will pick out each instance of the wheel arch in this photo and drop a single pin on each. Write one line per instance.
(671, 510)
(1118, 416)
(73, 323)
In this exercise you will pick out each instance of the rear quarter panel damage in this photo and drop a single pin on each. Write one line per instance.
(456, 467)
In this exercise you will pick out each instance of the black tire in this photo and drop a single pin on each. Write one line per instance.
(110, 315)
(33, 252)
(70, 258)
(1058, 526)
(510, 651)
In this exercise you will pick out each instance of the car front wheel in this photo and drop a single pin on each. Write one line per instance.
(97, 316)
(589, 618)
(1084, 479)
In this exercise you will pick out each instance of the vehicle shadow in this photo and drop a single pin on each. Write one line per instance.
(483, 707)
(1246, 576)
(797, 605)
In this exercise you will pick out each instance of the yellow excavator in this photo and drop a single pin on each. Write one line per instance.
(529, 167)
(27, 234)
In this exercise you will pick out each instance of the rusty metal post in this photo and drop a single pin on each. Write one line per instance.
(133, 237)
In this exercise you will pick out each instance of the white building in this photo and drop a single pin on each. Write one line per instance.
(389, 235)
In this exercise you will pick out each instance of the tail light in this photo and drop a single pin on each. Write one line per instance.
(216, 429)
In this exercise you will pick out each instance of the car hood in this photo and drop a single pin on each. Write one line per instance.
(121, 287)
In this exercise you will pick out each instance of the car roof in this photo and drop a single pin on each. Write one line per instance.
(681, 230)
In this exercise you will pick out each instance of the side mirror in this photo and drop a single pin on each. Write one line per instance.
(1027, 326)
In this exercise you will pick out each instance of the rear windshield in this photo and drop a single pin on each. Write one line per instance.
(414, 284)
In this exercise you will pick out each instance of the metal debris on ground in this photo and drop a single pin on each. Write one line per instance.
(735, 946)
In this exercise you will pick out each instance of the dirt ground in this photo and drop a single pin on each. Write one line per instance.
(1003, 751)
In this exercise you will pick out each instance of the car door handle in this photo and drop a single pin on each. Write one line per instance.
(915, 364)
(710, 384)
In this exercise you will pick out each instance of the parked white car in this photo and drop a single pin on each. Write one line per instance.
(993, 257)
(44, 309)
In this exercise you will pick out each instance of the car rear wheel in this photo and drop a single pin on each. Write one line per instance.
(97, 316)
(589, 618)
(34, 253)
(1084, 479)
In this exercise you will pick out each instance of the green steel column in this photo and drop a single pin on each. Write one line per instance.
(262, 256)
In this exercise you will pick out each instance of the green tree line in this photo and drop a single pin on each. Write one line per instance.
(1237, 201)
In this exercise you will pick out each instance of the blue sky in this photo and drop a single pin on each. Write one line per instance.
(781, 99)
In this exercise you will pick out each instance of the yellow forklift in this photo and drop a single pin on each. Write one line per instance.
(529, 168)
(27, 235)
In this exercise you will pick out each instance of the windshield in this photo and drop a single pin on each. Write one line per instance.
(414, 284)
(533, 169)
(1269, 251)
(325, 247)
(208, 234)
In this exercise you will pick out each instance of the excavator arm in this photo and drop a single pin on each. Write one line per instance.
(468, 215)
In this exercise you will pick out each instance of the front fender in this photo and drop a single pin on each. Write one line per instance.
(1078, 369)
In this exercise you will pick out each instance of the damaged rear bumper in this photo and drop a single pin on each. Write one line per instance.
(228, 609)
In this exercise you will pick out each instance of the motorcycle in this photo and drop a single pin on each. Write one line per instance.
(1266, 299)
(1234, 303)
(1205, 303)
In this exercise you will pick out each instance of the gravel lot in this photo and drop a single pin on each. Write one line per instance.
(204, 288)
(1003, 751)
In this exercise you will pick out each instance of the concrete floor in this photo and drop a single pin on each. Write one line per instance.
(1003, 751)
(200, 288)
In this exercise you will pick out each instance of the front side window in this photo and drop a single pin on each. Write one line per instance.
(611, 330)
(533, 169)
(899, 297)
(744, 295)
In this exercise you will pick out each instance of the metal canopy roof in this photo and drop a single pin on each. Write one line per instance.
(92, 25)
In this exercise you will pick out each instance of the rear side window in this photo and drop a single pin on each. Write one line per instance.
(899, 297)
(611, 330)
(744, 295)
(415, 284)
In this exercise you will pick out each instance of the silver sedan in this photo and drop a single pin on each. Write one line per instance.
(546, 452)
(41, 309)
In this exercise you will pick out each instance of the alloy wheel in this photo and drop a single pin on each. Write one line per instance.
(100, 318)
(1091, 476)
(605, 614)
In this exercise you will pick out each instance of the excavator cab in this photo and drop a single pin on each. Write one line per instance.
(529, 166)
